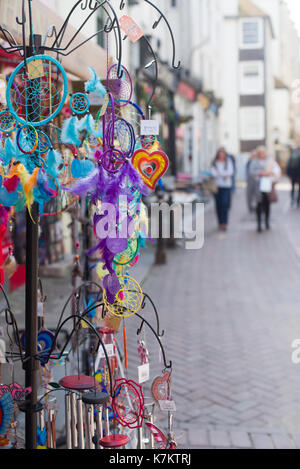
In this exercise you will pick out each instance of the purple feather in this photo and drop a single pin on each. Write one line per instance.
(85, 185)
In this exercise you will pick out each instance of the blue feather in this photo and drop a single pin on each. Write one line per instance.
(94, 84)
(88, 124)
(69, 132)
(7, 411)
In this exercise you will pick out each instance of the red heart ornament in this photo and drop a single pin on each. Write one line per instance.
(160, 387)
(151, 166)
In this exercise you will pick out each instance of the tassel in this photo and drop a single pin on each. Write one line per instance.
(69, 132)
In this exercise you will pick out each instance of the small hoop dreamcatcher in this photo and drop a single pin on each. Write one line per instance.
(37, 90)
(112, 160)
(128, 300)
(124, 134)
(27, 139)
(79, 103)
(44, 143)
(128, 403)
(8, 122)
(120, 88)
(130, 253)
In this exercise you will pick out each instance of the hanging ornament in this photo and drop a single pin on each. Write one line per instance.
(151, 166)
(128, 403)
(160, 387)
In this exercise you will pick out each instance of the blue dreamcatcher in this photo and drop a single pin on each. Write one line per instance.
(37, 90)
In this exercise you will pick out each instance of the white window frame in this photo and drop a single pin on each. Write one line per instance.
(260, 40)
(260, 85)
(245, 133)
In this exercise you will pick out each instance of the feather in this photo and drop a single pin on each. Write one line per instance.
(69, 133)
(11, 184)
(85, 185)
(128, 171)
(94, 84)
(9, 151)
(88, 123)
(6, 412)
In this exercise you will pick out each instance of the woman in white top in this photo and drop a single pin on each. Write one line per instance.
(223, 171)
(264, 172)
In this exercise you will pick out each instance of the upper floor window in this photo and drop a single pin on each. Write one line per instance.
(251, 33)
(252, 123)
(251, 77)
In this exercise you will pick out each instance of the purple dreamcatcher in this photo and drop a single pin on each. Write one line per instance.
(120, 88)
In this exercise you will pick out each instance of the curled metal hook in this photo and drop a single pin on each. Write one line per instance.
(84, 6)
(122, 4)
(162, 16)
(167, 365)
(23, 21)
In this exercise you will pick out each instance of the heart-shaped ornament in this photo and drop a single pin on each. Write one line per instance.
(161, 387)
(151, 166)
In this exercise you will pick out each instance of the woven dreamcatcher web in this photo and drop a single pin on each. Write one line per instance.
(8, 122)
(120, 88)
(128, 300)
(128, 403)
(36, 94)
(79, 103)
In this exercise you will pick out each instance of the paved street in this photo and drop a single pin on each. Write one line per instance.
(231, 311)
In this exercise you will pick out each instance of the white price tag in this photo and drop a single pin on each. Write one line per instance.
(109, 350)
(40, 309)
(149, 127)
(95, 99)
(143, 373)
(168, 406)
(2, 351)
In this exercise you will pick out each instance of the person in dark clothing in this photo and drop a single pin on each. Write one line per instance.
(293, 172)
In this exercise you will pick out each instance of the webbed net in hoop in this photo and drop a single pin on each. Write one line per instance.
(79, 103)
(27, 139)
(120, 88)
(8, 122)
(127, 256)
(124, 134)
(128, 300)
(128, 403)
(37, 94)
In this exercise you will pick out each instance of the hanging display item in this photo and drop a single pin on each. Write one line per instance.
(151, 166)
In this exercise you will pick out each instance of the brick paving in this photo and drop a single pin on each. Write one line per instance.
(230, 312)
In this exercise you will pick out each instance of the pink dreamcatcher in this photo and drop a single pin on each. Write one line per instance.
(128, 403)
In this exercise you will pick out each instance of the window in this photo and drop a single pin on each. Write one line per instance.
(251, 77)
(251, 33)
(252, 123)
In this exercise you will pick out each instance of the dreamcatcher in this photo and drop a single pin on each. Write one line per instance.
(127, 300)
(128, 403)
(37, 90)
(120, 88)
(8, 122)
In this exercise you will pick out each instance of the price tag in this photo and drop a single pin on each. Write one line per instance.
(131, 28)
(167, 406)
(143, 373)
(149, 127)
(36, 69)
(2, 351)
(109, 350)
(95, 99)
(40, 309)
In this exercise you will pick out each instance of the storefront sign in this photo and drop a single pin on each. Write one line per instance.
(186, 91)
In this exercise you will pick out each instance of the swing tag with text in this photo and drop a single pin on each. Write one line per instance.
(143, 373)
(149, 127)
(109, 350)
(131, 28)
(167, 406)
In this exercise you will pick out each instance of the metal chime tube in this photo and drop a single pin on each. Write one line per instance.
(80, 424)
(106, 420)
(68, 420)
(99, 429)
(151, 420)
(140, 438)
(42, 419)
(53, 429)
(74, 421)
(90, 425)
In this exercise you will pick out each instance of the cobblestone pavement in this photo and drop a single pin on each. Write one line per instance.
(230, 312)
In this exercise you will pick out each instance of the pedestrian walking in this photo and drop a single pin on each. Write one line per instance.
(222, 171)
(293, 172)
(264, 173)
(251, 184)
